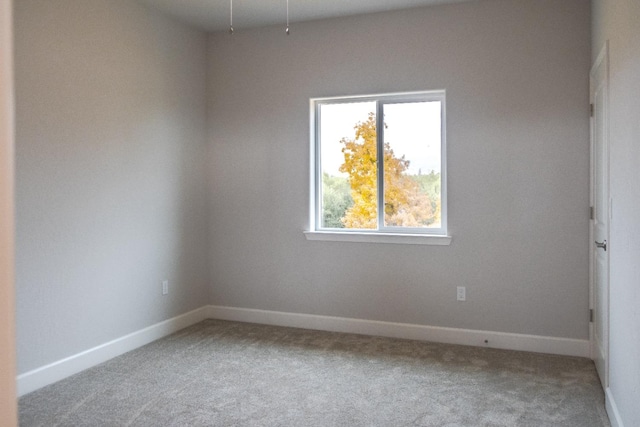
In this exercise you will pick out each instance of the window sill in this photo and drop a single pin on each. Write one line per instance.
(363, 237)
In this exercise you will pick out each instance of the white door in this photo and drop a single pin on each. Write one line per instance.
(600, 242)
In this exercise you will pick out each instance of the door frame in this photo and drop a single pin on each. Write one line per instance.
(8, 407)
(601, 60)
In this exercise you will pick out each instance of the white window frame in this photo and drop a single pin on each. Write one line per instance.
(404, 235)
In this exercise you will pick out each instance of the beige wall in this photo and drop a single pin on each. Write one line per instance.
(7, 353)
(619, 22)
(110, 173)
(516, 75)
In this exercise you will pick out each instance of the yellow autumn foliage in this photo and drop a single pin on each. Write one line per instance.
(405, 205)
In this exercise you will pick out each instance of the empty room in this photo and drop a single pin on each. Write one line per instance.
(319, 213)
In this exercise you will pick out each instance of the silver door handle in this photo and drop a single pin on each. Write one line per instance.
(601, 245)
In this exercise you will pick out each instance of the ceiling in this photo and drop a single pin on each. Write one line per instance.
(213, 15)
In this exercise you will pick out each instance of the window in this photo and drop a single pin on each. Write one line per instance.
(378, 169)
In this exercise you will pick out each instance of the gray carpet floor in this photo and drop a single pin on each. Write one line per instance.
(219, 373)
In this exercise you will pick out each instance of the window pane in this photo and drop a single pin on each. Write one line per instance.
(412, 181)
(348, 164)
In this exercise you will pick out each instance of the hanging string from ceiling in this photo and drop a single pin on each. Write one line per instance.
(287, 29)
(231, 18)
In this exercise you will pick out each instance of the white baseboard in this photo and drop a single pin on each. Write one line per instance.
(612, 409)
(502, 340)
(56, 371)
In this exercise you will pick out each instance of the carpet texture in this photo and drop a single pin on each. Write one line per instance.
(219, 373)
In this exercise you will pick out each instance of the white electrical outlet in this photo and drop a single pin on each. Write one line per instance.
(165, 287)
(461, 294)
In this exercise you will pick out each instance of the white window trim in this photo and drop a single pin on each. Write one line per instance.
(379, 237)
(438, 237)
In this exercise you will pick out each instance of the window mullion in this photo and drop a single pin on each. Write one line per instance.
(317, 156)
(380, 161)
